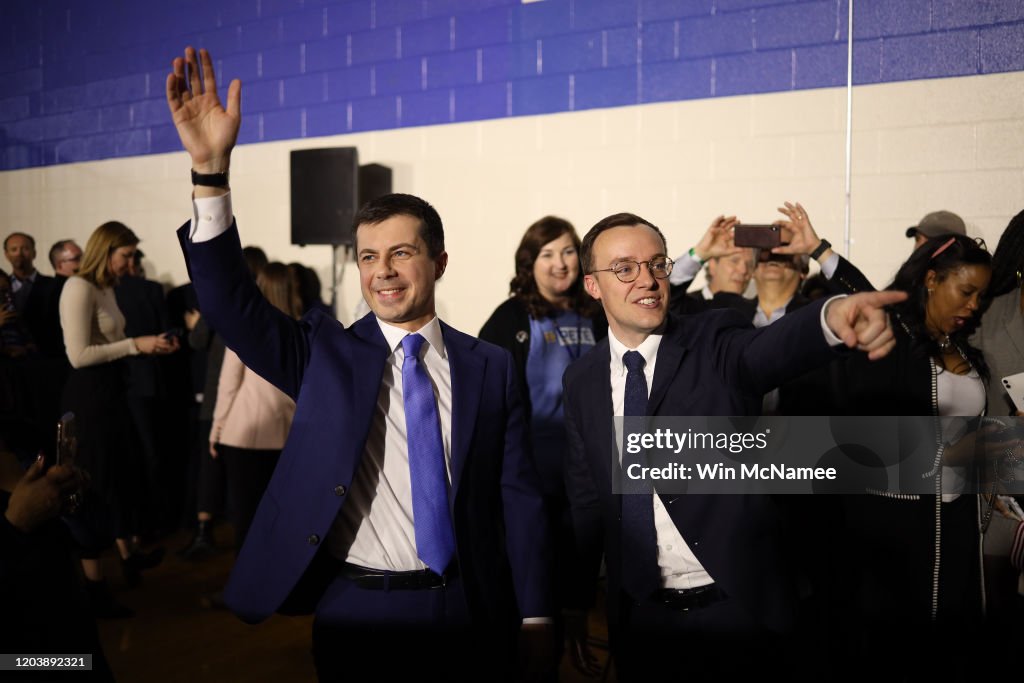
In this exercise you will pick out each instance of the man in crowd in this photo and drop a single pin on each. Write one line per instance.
(404, 509)
(65, 257)
(934, 224)
(698, 584)
(36, 296)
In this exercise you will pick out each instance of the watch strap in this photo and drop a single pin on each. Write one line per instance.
(210, 179)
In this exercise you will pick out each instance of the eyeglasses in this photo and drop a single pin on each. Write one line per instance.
(628, 271)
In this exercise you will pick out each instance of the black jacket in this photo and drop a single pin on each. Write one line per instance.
(509, 328)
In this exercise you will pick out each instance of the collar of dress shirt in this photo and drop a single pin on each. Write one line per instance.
(648, 349)
(431, 332)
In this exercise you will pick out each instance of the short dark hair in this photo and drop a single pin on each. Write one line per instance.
(379, 210)
(31, 240)
(617, 220)
(55, 251)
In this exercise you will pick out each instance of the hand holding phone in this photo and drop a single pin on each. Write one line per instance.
(67, 449)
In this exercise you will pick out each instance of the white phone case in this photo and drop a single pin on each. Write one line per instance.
(1014, 386)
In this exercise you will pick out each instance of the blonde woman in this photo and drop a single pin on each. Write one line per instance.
(94, 337)
(252, 417)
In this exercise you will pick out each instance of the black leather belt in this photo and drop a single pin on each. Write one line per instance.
(383, 580)
(681, 600)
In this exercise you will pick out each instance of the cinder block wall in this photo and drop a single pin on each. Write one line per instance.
(500, 112)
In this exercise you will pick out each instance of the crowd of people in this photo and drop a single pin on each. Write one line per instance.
(437, 499)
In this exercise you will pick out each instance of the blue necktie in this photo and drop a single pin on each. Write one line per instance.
(435, 538)
(641, 575)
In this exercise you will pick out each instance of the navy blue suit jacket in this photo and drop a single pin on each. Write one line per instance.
(334, 374)
(712, 363)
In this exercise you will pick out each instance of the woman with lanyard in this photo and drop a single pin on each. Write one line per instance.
(548, 322)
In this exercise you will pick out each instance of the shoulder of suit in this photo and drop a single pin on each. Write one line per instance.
(711, 319)
(457, 338)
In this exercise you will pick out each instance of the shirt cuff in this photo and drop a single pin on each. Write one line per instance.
(538, 620)
(211, 216)
(685, 269)
(828, 268)
(830, 336)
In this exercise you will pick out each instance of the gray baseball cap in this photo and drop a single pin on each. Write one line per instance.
(939, 223)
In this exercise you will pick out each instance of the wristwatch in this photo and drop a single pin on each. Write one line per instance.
(210, 179)
(822, 247)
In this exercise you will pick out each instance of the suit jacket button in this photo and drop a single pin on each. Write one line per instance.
(339, 490)
(313, 539)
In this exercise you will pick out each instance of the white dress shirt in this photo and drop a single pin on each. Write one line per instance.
(679, 566)
(375, 527)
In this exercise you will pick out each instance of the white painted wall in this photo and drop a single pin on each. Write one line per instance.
(954, 144)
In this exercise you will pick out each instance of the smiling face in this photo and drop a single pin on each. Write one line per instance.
(120, 260)
(556, 268)
(634, 309)
(396, 272)
(954, 299)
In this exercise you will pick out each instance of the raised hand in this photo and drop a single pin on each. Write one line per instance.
(802, 237)
(717, 239)
(862, 323)
(207, 131)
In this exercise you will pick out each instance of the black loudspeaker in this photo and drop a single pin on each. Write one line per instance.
(374, 181)
(325, 195)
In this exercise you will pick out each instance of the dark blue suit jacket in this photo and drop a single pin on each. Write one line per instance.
(334, 374)
(713, 363)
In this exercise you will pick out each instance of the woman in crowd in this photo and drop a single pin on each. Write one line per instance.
(1001, 337)
(912, 561)
(252, 417)
(548, 322)
(95, 392)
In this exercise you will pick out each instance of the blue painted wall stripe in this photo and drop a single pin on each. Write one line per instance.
(85, 81)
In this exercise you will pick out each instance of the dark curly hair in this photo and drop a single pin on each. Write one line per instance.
(911, 278)
(1008, 259)
(524, 287)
